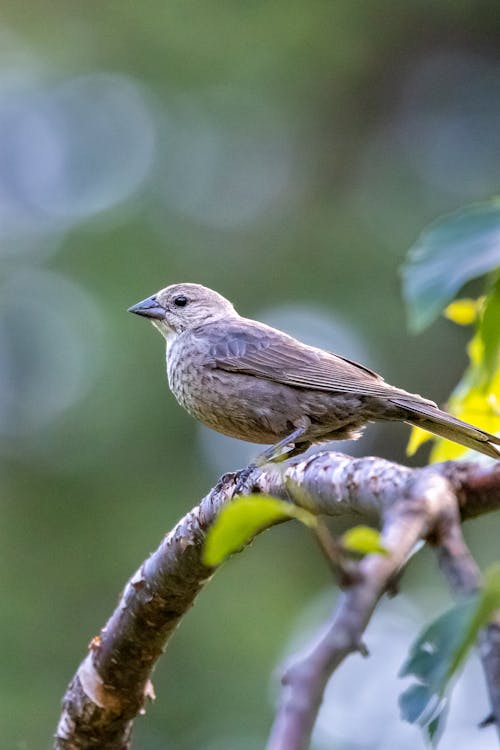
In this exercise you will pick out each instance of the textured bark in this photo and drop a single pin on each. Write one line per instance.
(113, 682)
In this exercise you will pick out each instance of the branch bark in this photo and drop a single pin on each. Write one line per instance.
(113, 682)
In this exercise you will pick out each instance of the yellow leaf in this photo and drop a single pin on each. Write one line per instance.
(473, 406)
(446, 450)
(417, 438)
(463, 311)
(475, 350)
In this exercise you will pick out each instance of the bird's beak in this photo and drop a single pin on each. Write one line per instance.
(149, 307)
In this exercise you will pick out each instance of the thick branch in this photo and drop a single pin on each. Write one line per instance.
(111, 685)
(476, 485)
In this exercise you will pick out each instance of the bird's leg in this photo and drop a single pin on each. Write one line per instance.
(280, 451)
(295, 450)
(283, 449)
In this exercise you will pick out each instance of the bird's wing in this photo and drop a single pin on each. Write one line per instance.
(264, 352)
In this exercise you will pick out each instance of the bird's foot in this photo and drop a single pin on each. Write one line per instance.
(244, 480)
(224, 482)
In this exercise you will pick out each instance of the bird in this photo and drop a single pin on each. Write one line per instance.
(256, 383)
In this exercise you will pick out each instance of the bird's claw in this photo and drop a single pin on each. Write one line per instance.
(223, 483)
(244, 484)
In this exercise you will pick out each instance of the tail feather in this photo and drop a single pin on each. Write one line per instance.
(427, 416)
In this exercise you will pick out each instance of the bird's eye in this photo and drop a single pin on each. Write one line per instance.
(180, 301)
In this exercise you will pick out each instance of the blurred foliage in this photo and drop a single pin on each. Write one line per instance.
(363, 540)
(452, 251)
(237, 524)
(455, 250)
(440, 651)
(285, 154)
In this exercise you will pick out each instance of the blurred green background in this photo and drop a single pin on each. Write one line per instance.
(286, 154)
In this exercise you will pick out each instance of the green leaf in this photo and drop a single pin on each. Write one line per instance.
(486, 603)
(435, 727)
(489, 600)
(453, 250)
(416, 700)
(419, 705)
(364, 540)
(438, 653)
(431, 656)
(238, 523)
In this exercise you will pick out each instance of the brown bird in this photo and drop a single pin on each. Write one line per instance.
(256, 383)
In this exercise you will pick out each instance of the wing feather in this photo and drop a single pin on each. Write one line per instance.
(265, 352)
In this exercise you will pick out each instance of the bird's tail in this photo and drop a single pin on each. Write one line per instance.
(427, 416)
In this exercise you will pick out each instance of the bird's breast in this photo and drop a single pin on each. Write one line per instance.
(186, 376)
(226, 402)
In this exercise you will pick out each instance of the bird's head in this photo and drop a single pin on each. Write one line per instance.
(182, 307)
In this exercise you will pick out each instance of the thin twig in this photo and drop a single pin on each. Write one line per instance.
(464, 579)
(410, 519)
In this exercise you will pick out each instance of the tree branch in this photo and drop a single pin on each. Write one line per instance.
(464, 578)
(112, 683)
(410, 517)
